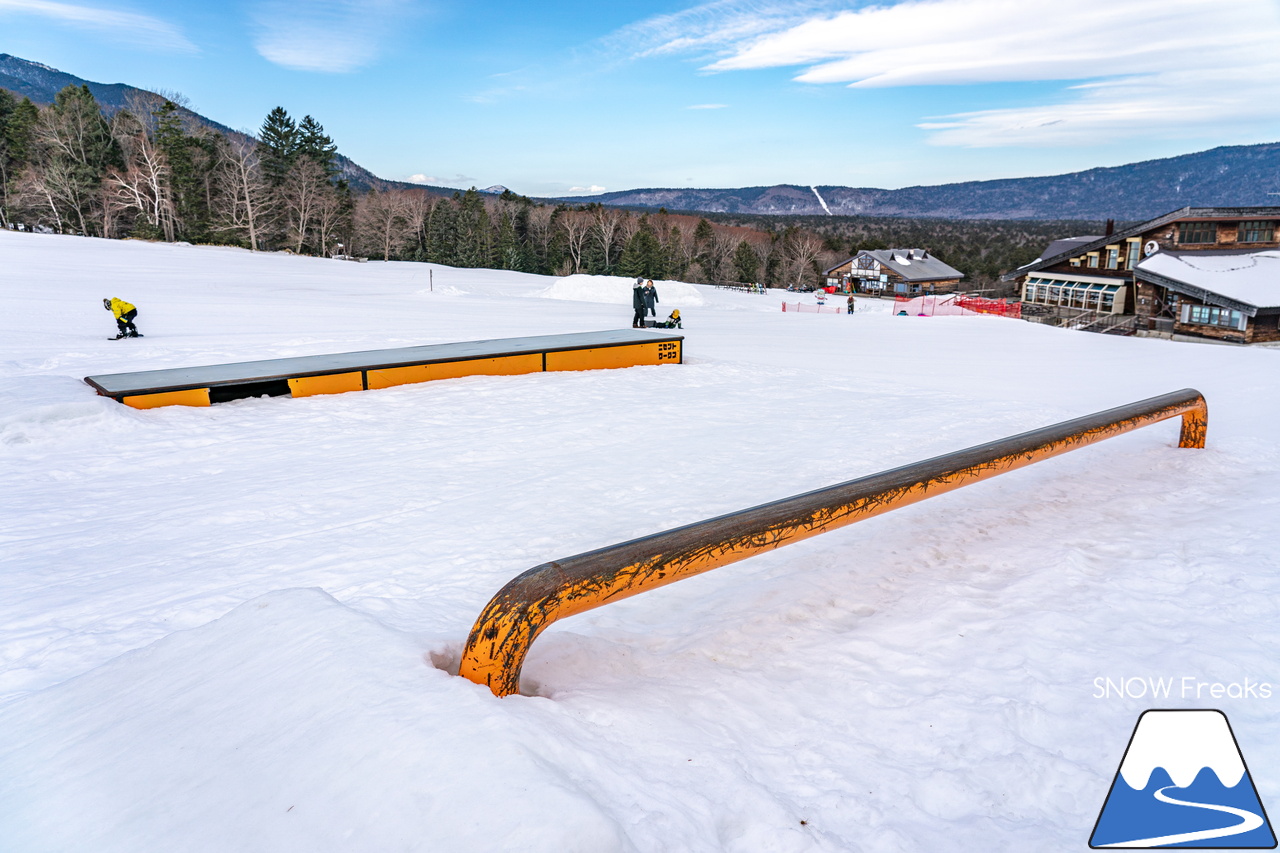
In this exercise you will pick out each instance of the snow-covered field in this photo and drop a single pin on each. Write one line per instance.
(229, 629)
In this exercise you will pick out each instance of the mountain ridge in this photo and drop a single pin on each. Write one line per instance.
(1227, 176)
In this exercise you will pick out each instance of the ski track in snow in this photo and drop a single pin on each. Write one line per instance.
(229, 628)
(822, 201)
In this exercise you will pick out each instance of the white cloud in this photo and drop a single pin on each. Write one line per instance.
(706, 106)
(455, 181)
(1146, 66)
(711, 26)
(333, 36)
(591, 190)
(128, 27)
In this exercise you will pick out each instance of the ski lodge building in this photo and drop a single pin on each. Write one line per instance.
(897, 271)
(1201, 271)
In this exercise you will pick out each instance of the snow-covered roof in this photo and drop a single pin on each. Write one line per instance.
(911, 264)
(1246, 277)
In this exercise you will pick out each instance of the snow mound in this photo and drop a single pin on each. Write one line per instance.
(291, 723)
(614, 290)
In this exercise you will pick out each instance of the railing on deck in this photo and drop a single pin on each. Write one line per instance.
(522, 609)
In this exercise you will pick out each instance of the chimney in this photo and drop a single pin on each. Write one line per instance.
(1111, 227)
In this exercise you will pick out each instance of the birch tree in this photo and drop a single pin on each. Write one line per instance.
(243, 193)
(143, 185)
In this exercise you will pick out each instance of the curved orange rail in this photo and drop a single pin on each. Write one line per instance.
(522, 609)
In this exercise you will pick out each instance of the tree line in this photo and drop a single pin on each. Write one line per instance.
(151, 171)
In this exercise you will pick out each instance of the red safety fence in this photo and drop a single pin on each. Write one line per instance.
(999, 307)
(955, 305)
(803, 308)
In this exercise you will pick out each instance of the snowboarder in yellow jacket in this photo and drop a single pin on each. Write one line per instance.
(124, 314)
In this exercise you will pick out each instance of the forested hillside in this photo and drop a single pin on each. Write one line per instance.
(149, 170)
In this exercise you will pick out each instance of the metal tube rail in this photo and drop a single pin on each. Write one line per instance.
(514, 618)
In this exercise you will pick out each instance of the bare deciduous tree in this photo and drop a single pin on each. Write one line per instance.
(607, 223)
(143, 185)
(35, 193)
(383, 220)
(577, 227)
(802, 250)
(242, 190)
(300, 198)
(330, 212)
(540, 230)
(718, 252)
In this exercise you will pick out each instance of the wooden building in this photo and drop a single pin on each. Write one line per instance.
(894, 271)
(1203, 271)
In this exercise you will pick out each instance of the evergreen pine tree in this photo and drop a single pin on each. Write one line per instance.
(8, 105)
(442, 232)
(185, 180)
(277, 146)
(746, 263)
(643, 256)
(704, 233)
(314, 143)
(474, 231)
(20, 133)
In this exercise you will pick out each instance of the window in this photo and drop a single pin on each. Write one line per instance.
(1197, 232)
(1071, 294)
(1133, 255)
(1211, 315)
(1093, 259)
(1256, 231)
(867, 267)
(1113, 257)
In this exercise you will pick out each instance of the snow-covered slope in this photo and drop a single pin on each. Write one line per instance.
(232, 628)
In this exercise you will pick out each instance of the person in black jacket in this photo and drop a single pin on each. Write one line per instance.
(651, 298)
(637, 302)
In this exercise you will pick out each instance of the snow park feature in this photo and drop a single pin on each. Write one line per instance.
(238, 627)
(307, 376)
(521, 610)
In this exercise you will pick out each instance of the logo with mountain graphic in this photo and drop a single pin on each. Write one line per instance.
(1183, 783)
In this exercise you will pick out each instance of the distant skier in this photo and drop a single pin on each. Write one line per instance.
(651, 298)
(124, 314)
(672, 322)
(637, 302)
(851, 303)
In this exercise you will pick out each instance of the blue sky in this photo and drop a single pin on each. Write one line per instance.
(572, 96)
